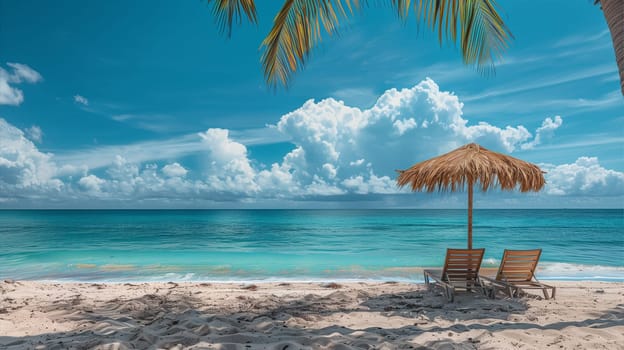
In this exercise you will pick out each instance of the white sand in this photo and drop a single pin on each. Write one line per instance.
(35, 315)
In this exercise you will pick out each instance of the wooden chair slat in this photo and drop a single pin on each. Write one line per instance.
(517, 271)
(461, 270)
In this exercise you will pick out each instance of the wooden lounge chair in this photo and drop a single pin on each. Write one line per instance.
(461, 270)
(516, 273)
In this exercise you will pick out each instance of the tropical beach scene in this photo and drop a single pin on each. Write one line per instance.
(296, 174)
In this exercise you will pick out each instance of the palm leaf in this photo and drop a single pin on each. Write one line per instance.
(298, 25)
(296, 30)
(482, 33)
(227, 12)
(402, 7)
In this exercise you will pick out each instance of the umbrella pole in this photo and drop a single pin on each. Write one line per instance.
(469, 215)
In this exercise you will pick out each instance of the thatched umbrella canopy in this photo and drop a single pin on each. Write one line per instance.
(467, 166)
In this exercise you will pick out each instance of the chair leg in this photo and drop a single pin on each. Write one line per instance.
(544, 290)
(483, 288)
(552, 292)
(450, 296)
(492, 292)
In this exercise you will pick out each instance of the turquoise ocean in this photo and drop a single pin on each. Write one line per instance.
(296, 245)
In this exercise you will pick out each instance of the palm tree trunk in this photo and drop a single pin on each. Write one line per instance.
(614, 14)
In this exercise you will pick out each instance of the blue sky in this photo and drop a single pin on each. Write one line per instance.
(145, 104)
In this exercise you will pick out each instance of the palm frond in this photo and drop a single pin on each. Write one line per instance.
(482, 33)
(227, 12)
(402, 7)
(297, 28)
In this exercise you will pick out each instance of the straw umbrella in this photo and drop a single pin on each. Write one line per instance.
(472, 165)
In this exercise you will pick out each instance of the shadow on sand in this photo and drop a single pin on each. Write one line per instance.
(187, 318)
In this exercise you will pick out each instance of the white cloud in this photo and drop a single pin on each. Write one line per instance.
(585, 177)
(174, 148)
(546, 130)
(174, 170)
(357, 162)
(91, 183)
(35, 133)
(23, 73)
(403, 127)
(20, 73)
(81, 100)
(126, 181)
(339, 152)
(149, 151)
(8, 94)
(23, 168)
(373, 184)
(228, 167)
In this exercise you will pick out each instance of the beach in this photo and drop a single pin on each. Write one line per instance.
(300, 279)
(303, 315)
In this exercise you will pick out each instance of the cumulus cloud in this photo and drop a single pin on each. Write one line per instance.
(545, 131)
(585, 177)
(127, 181)
(23, 168)
(373, 184)
(228, 167)
(174, 170)
(338, 152)
(19, 73)
(401, 128)
(91, 184)
(81, 100)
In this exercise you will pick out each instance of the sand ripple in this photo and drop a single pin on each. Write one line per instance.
(303, 316)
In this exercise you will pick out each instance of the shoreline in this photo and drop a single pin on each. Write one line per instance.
(309, 315)
(615, 280)
(124, 273)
